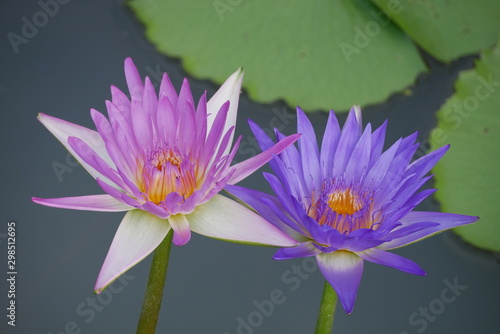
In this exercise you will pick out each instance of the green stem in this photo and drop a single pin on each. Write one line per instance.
(324, 324)
(154, 290)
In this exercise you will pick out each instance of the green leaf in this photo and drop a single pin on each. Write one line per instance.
(317, 54)
(468, 177)
(447, 29)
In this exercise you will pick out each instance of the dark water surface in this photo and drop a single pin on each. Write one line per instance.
(65, 68)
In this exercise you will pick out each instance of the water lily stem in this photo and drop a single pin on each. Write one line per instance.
(154, 290)
(324, 324)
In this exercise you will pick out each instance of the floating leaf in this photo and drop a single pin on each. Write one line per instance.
(319, 55)
(468, 177)
(447, 29)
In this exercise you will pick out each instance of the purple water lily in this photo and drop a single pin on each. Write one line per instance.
(349, 202)
(164, 160)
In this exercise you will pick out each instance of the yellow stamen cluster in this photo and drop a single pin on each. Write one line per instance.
(344, 202)
(164, 172)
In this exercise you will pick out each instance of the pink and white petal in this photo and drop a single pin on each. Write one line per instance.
(304, 249)
(137, 236)
(102, 202)
(343, 270)
(223, 218)
(444, 222)
(62, 130)
(391, 260)
(182, 232)
(229, 91)
(247, 167)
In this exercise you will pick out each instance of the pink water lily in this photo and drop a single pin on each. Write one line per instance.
(163, 160)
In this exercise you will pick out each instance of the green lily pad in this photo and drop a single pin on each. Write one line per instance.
(319, 55)
(467, 177)
(447, 29)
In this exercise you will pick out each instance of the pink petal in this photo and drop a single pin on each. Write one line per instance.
(134, 80)
(222, 218)
(182, 232)
(102, 202)
(137, 236)
(247, 167)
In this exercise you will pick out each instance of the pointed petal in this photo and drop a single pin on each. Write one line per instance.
(182, 232)
(343, 271)
(229, 91)
(102, 202)
(308, 147)
(62, 130)
(138, 235)
(329, 144)
(304, 249)
(223, 218)
(351, 132)
(421, 166)
(444, 222)
(247, 167)
(391, 260)
(134, 81)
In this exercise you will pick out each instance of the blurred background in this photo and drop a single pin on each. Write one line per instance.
(63, 67)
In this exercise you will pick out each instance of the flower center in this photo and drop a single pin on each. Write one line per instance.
(166, 169)
(342, 206)
(160, 158)
(344, 202)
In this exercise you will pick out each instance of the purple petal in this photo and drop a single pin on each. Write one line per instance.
(391, 260)
(268, 207)
(329, 144)
(102, 202)
(360, 158)
(182, 231)
(308, 147)
(304, 249)
(138, 235)
(421, 166)
(343, 271)
(222, 218)
(247, 167)
(378, 138)
(444, 221)
(348, 139)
